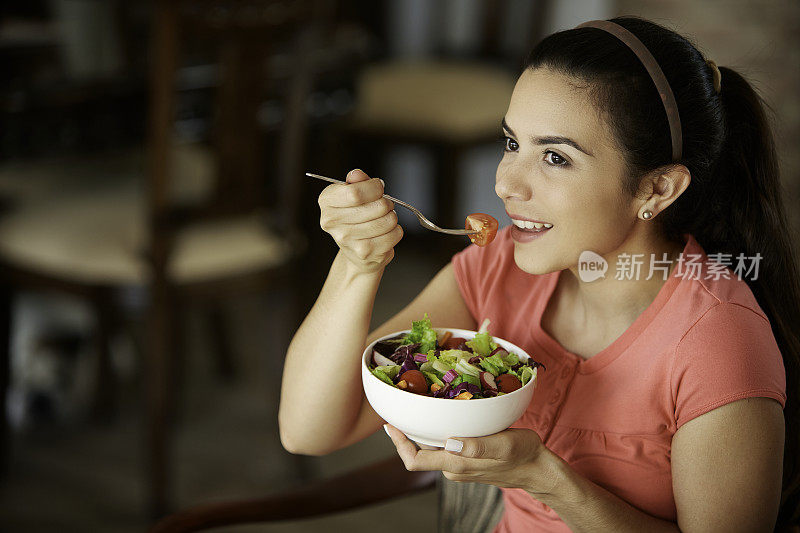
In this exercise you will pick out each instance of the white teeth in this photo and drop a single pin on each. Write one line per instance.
(525, 224)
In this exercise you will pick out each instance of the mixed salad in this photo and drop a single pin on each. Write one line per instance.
(442, 366)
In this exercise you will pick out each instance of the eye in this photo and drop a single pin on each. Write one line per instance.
(556, 160)
(504, 140)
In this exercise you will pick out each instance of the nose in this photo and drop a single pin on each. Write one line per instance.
(510, 185)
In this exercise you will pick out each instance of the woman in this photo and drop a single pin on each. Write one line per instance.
(664, 403)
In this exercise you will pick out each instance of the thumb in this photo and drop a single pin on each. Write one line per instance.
(356, 175)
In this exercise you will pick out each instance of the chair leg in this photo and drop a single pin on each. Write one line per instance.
(6, 311)
(158, 361)
(159, 384)
(221, 345)
(104, 399)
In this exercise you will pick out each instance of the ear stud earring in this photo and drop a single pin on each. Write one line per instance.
(647, 214)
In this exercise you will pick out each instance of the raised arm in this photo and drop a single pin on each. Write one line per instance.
(322, 406)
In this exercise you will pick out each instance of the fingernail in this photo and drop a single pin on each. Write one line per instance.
(453, 445)
(382, 183)
(386, 429)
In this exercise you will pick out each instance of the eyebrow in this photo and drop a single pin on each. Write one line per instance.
(549, 139)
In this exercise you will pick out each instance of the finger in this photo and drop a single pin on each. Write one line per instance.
(379, 250)
(510, 443)
(410, 451)
(374, 246)
(360, 213)
(406, 448)
(372, 229)
(427, 458)
(351, 194)
(356, 175)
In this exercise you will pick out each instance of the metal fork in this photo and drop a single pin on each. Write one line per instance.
(422, 220)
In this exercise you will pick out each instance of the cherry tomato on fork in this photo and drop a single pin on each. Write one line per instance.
(485, 224)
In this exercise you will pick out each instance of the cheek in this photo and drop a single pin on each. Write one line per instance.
(591, 209)
(590, 218)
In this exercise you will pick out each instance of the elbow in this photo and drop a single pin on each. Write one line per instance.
(296, 448)
(298, 444)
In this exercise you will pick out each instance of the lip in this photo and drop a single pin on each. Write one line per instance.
(526, 236)
(520, 217)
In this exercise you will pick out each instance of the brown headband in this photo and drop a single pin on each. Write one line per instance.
(650, 63)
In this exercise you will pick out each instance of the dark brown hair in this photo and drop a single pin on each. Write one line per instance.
(734, 202)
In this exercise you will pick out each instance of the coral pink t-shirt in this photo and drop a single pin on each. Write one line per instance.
(701, 343)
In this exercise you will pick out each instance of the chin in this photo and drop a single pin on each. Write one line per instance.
(532, 262)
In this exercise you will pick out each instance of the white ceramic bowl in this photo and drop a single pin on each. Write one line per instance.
(432, 421)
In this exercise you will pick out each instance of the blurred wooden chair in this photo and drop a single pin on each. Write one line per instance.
(109, 243)
(447, 104)
(462, 507)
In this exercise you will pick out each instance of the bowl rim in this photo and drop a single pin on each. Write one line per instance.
(367, 350)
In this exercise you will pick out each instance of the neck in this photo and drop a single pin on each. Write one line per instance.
(617, 302)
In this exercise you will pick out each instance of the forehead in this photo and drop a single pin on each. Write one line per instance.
(545, 102)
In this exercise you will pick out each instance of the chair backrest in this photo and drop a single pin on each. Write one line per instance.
(247, 35)
(493, 21)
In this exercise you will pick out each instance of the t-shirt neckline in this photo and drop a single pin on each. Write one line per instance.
(621, 343)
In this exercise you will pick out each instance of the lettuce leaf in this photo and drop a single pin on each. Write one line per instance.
(433, 378)
(511, 359)
(482, 344)
(526, 374)
(488, 365)
(391, 371)
(422, 331)
(455, 355)
(382, 376)
(442, 366)
(466, 378)
(498, 361)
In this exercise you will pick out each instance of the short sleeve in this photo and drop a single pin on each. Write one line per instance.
(467, 267)
(729, 354)
(481, 270)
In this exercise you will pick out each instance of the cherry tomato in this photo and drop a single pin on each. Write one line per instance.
(453, 343)
(416, 381)
(508, 383)
(485, 224)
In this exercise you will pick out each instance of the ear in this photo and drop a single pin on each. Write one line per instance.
(663, 187)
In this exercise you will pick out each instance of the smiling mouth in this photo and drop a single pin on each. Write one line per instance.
(533, 227)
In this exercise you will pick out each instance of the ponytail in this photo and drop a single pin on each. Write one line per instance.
(752, 220)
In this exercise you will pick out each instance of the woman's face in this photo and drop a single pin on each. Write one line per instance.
(560, 166)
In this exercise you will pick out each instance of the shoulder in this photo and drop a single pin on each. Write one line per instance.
(726, 350)
(729, 353)
(721, 278)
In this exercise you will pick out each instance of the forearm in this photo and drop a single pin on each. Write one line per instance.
(321, 393)
(585, 506)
